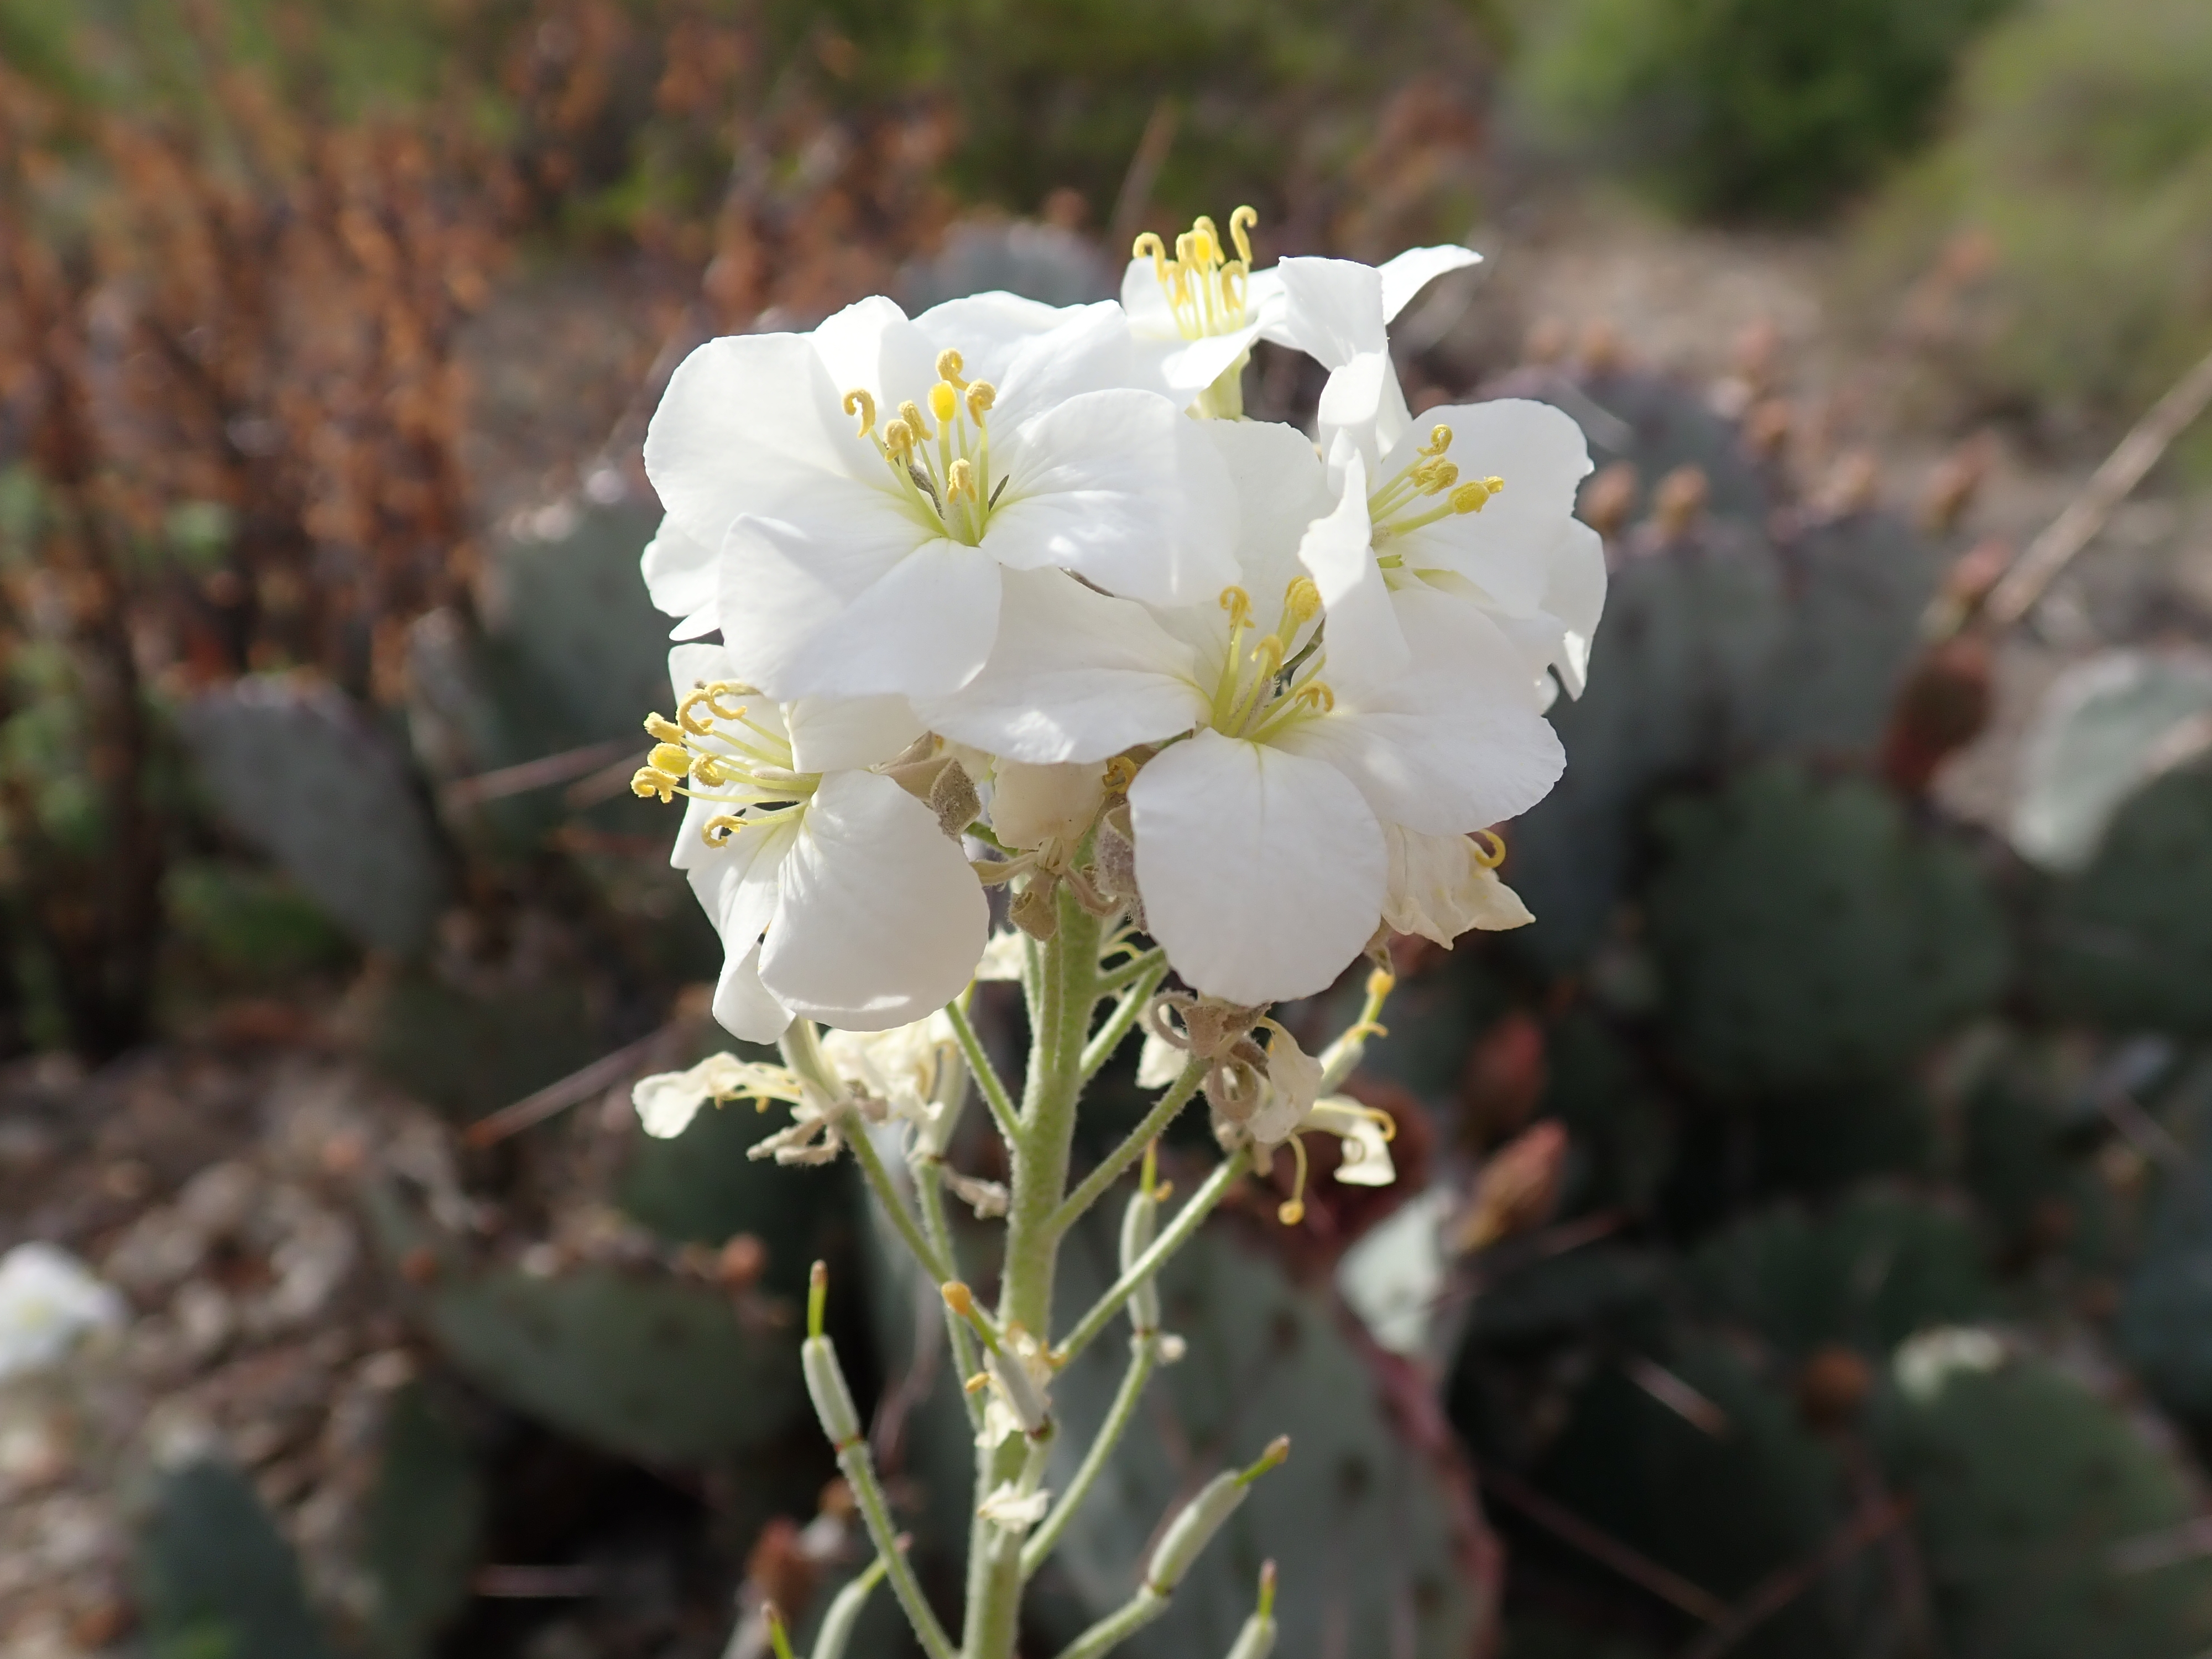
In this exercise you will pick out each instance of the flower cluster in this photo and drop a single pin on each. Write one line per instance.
(1009, 595)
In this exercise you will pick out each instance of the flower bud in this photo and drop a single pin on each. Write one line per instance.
(1193, 1530)
(1140, 1224)
(1020, 1392)
(825, 1384)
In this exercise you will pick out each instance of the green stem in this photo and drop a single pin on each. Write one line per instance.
(1063, 993)
(1109, 1632)
(1142, 1359)
(939, 1268)
(859, 1470)
(1117, 1162)
(1176, 1234)
(1111, 979)
(844, 1615)
(986, 1075)
(929, 1192)
(1127, 1012)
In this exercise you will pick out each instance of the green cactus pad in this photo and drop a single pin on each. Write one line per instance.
(214, 1575)
(420, 1532)
(1809, 939)
(303, 775)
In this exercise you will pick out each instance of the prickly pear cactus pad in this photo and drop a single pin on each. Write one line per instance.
(1376, 1533)
(302, 774)
(2128, 941)
(1809, 940)
(215, 1577)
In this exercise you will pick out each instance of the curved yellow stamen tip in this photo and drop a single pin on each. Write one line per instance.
(1316, 693)
(1489, 848)
(661, 727)
(720, 829)
(1381, 983)
(1382, 1121)
(898, 439)
(1270, 648)
(1440, 440)
(981, 394)
(1294, 1210)
(1475, 494)
(911, 414)
(948, 365)
(669, 758)
(1437, 475)
(688, 721)
(959, 481)
(718, 689)
(1149, 244)
(944, 402)
(1238, 604)
(1121, 772)
(649, 783)
(1240, 224)
(1301, 601)
(709, 771)
(861, 403)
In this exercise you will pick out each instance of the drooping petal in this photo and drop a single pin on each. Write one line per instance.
(1110, 485)
(1333, 310)
(1439, 889)
(1457, 743)
(1410, 272)
(1506, 547)
(1574, 592)
(1366, 651)
(836, 735)
(1032, 805)
(865, 608)
(881, 921)
(1074, 676)
(681, 581)
(743, 1005)
(1188, 369)
(751, 424)
(1363, 411)
(1262, 872)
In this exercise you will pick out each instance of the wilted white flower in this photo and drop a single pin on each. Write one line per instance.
(837, 893)
(902, 1068)
(48, 1300)
(1013, 1508)
(666, 1102)
(857, 492)
(1019, 1373)
(1440, 886)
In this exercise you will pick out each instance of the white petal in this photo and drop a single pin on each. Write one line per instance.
(875, 610)
(870, 346)
(751, 424)
(1159, 1062)
(1457, 744)
(1334, 311)
(881, 921)
(1414, 269)
(1506, 547)
(1192, 367)
(837, 734)
(1032, 805)
(1439, 889)
(1280, 489)
(1089, 350)
(1366, 650)
(742, 1004)
(680, 579)
(1075, 676)
(1262, 873)
(1146, 302)
(1113, 485)
(1574, 592)
(700, 662)
(1363, 408)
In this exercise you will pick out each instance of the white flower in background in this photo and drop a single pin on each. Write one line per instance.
(858, 493)
(837, 893)
(1261, 848)
(1004, 956)
(48, 1300)
(1926, 1362)
(666, 1102)
(1203, 310)
(902, 1068)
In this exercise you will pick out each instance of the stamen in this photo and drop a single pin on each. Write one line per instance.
(1240, 222)
(1238, 604)
(719, 830)
(1289, 1214)
(944, 402)
(1301, 598)
(664, 728)
(671, 758)
(948, 365)
(1271, 649)
(959, 482)
(1120, 772)
(898, 438)
(981, 394)
(1489, 848)
(860, 403)
(1440, 440)
(649, 783)
(1314, 694)
(1473, 495)
(684, 717)
(1150, 243)
(911, 415)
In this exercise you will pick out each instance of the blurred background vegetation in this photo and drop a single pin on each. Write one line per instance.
(1802, 1245)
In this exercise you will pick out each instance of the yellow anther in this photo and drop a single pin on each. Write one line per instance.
(1440, 440)
(959, 481)
(976, 1384)
(1475, 494)
(668, 757)
(1272, 649)
(1316, 695)
(948, 365)
(1489, 848)
(720, 829)
(911, 415)
(688, 721)
(709, 771)
(719, 689)
(1301, 599)
(1120, 772)
(1150, 243)
(1294, 1211)
(861, 403)
(664, 728)
(1240, 225)
(898, 438)
(944, 402)
(1209, 248)
(1238, 604)
(1381, 983)
(1383, 1120)
(981, 394)
(649, 783)
(1434, 475)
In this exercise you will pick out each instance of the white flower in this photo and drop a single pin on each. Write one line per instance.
(862, 494)
(1020, 1373)
(1926, 1362)
(902, 1066)
(1159, 1062)
(666, 1102)
(1004, 956)
(1259, 847)
(838, 894)
(48, 1299)
(1012, 1509)
(1203, 310)
(1442, 885)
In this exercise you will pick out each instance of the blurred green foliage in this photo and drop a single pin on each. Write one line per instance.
(2075, 190)
(1743, 108)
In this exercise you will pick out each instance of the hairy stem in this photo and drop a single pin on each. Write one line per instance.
(938, 1267)
(1172, 1238)
(1119, 1024)
(859, 1470)
(1116, 1162)
(1143, 1358)
(929, 1193)
(1109, 1632)
(986, 1075)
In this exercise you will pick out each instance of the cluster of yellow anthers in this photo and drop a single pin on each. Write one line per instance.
(944, 471)
(719, 748)
(1390, 508)
(1283, 670)
(1207, 291)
